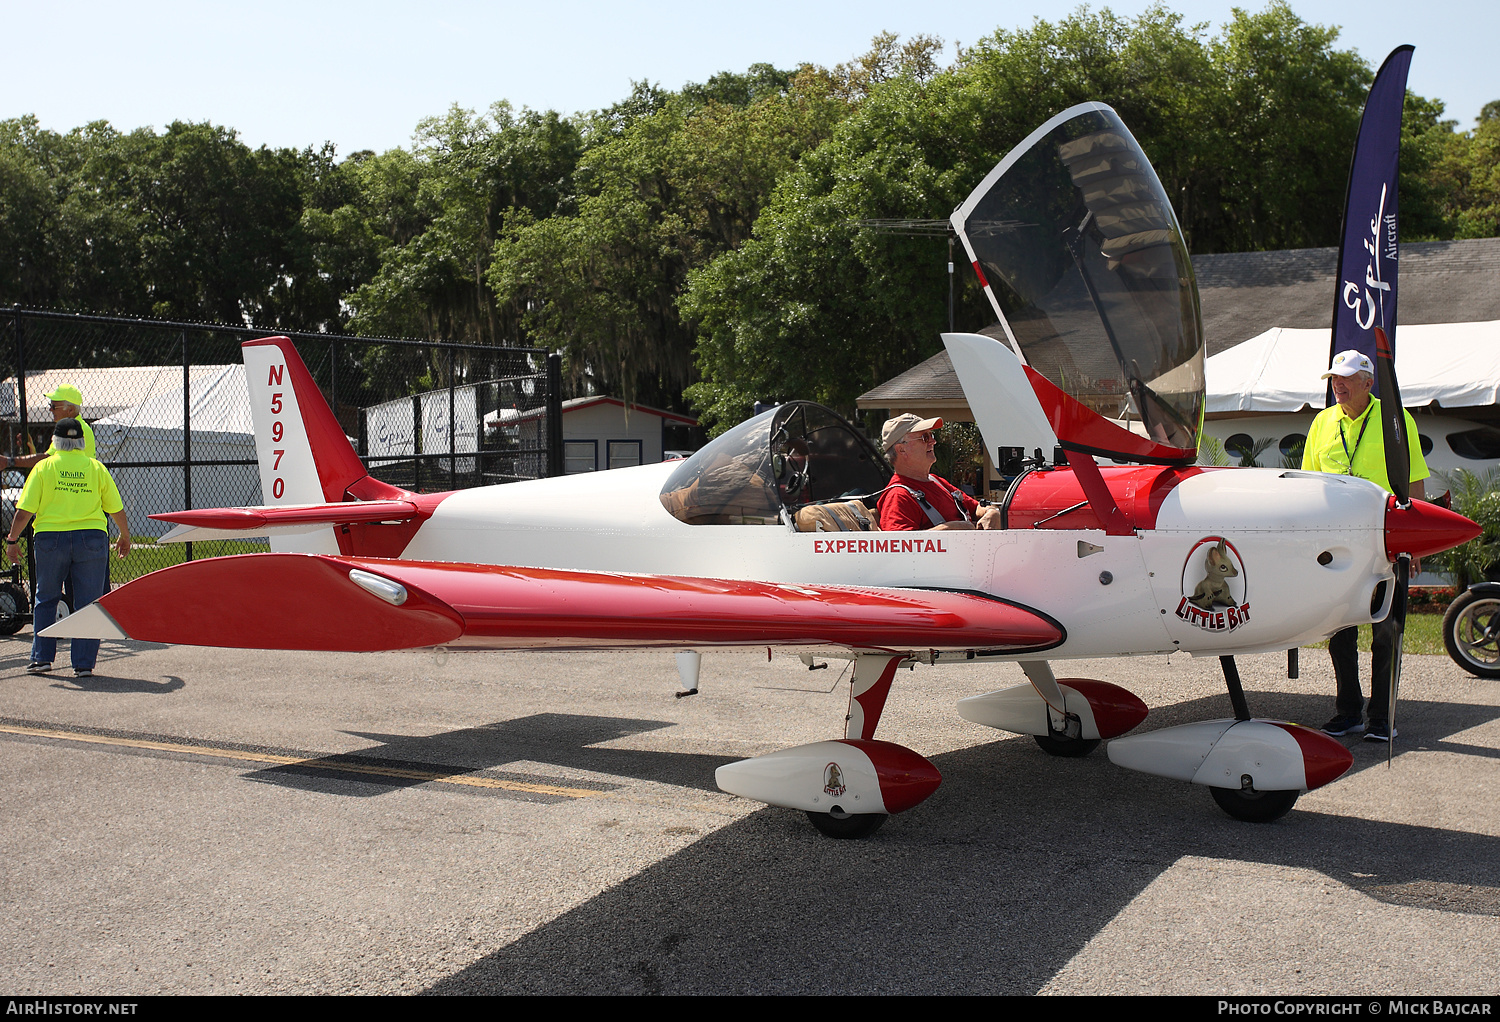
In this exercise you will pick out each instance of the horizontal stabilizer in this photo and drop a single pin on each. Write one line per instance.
(242, 522)
(320, 602)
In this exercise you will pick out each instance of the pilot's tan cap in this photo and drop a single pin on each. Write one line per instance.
(896, 429)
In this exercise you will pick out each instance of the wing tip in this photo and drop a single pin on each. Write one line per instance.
(91, 622)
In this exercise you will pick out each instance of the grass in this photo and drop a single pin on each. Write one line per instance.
(147, 555)
(1424, 634)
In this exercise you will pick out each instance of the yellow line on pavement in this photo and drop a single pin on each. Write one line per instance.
(326, 763)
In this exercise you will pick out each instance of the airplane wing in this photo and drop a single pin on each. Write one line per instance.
(351, 604)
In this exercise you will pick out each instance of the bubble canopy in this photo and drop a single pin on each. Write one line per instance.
(765, 468)
(1082, 258)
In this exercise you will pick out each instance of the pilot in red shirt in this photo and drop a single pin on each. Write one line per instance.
(917, 499)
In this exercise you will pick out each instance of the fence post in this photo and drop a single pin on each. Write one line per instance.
(418, 442)
(333, 380)
(452, 441)
(187, 437)
(554, 415)
(21, 382)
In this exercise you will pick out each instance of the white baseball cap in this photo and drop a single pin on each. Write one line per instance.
(1347, 363)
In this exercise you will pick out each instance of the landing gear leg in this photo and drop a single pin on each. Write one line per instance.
(873, 674)
(1065, 740)
(1245, 802)
(1236, 691)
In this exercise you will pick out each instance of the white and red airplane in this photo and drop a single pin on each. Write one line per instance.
(1080, 252)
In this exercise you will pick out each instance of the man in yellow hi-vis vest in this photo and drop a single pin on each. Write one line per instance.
(66, 402)
(68, 494)
(1346, 439)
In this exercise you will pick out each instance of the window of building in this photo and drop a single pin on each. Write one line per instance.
(580, 456)
(1482, 444)
(624, 453)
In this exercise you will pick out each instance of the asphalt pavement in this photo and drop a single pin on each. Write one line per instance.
(208, 821)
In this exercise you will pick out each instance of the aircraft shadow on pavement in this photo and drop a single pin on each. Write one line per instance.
(568, 741)
(991, 887)
(100, 683)
(110, 649)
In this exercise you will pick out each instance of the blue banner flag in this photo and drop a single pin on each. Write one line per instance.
(1366, 293)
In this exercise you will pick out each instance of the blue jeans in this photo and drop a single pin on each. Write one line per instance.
(82, 558)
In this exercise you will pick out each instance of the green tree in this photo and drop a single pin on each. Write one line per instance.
(814, 307)
(440, 210)
(1282, 130)
(188, 224)
(1460, 183)
(668, 183)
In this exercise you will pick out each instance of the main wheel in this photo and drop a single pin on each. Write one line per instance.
(1255, 806)
(1068, 748)
(12, 608)
(847, 826)
(1471, 631)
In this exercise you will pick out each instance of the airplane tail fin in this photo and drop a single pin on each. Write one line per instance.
(304, 456)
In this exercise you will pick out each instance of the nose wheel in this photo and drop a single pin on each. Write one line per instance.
(847, 826)
(1254, 806)
(1067, 748)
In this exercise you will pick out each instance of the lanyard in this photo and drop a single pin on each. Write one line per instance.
(1344, 440)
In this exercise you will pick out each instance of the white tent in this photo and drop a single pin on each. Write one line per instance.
(106, 392)
(153, 432)
(1454, 365)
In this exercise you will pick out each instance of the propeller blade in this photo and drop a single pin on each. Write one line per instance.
(1398, 472)
(1392, 420)
(1398, 607)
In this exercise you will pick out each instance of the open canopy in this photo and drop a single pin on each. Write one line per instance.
(1082, 258)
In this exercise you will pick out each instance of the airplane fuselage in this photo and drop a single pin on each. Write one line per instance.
(1114, 595)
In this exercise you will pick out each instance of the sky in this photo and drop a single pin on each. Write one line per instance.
(362, 74)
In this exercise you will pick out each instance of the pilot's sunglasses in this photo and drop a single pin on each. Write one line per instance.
(925, 438)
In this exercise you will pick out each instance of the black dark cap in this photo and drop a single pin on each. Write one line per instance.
(67, 429)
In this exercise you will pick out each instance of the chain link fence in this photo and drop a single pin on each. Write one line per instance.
(171, 416)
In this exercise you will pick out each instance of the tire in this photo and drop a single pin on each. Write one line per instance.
(1255, 806)
(1068, 748)
(1471, 633)
(848, 827)
(13, 607)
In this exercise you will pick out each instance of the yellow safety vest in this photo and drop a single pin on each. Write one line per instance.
(68, 491)
(1356, 447)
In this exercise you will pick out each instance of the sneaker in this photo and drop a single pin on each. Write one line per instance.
(1380, 731)
(83, 672)
(1340, 726)
(39, 667)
